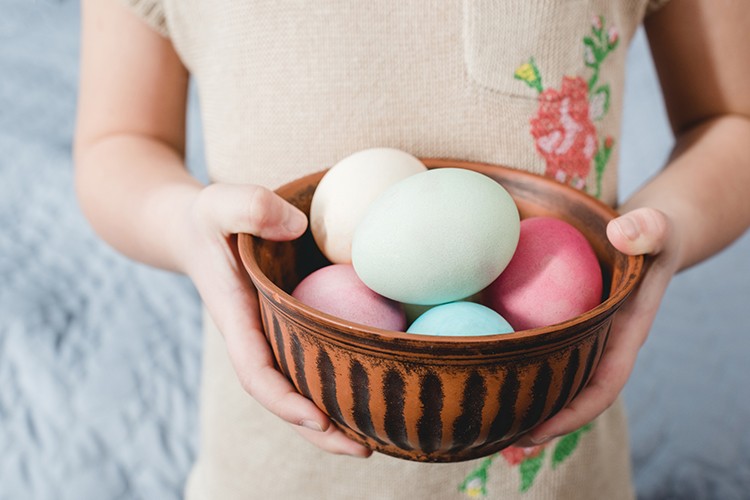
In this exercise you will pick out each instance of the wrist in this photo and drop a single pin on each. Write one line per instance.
(171, 207)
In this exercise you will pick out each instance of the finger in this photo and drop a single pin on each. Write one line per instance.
(233, 305)
(525, 441)
(253, 362)
(639, 232)
(251, 209)
(600, 393)
(630, 329)
(335, 441)
(256, 370)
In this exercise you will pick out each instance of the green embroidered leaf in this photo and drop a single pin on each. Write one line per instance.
(529, 469)
(567, 445)
(599, 102)
(600, 163)
(475, 483)
(591, 52)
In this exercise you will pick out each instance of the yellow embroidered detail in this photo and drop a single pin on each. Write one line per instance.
(529, 73)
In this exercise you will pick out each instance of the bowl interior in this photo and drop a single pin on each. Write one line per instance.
(280, 266)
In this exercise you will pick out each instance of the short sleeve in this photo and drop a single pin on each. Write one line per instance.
(152, 13)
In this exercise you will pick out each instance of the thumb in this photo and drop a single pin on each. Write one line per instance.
(251, 209)
(641, 231)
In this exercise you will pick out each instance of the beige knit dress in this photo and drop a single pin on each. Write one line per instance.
(290, 86)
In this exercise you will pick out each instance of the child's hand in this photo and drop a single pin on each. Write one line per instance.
(642, 231)
(703, 188)
(208, 255)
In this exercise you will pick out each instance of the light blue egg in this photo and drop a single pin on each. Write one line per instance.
(460, 319)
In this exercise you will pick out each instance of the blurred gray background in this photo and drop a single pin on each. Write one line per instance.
(100, 356)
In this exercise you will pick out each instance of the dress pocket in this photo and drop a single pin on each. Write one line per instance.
(500, 36)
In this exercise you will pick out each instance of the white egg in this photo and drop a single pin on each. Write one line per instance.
(346, 191)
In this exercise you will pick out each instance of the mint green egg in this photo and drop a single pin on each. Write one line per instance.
(413, 311)
(436, 237)
(460, 319)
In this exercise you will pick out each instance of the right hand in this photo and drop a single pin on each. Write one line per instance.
(208, 254)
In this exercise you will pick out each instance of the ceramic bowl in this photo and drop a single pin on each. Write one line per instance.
(429, 398)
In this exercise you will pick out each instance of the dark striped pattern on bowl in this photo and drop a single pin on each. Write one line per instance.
(436, 399)
(426, 409)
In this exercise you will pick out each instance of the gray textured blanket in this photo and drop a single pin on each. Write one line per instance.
(99, 356)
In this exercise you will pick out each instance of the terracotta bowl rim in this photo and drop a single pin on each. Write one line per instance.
(352, 333)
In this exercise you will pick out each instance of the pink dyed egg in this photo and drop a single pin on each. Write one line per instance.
(338, 291)
(553, 276)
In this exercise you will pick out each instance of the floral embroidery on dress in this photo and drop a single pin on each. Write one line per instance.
(563, 128)
(529, 461)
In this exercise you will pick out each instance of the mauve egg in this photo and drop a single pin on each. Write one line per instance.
(347, 189)
(554, 276)
(460, 319)
(337, 290)
(436, 237)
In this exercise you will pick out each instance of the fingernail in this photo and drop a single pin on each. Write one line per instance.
(627, 227)
(540, 440)
(365, 454)
(295, 221)
(312, 425)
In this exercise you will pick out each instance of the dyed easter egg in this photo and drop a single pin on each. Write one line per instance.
(553, 276)
(337, 290)
(413, 311)
(460, 319)
(347, 189)
(436, 237)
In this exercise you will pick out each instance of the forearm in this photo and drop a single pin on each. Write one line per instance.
(135, 191)
(704, 188)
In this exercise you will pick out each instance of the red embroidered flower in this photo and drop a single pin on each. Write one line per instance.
(563, 131)
(514, 455)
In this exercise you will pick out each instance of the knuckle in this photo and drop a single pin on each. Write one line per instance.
(653, 220)
(247, 383)
(205, 210)
(249, 379)
(259, 208)
(275, 402)
(203, 203)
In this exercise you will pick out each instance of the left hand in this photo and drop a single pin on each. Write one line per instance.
(643, 231)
